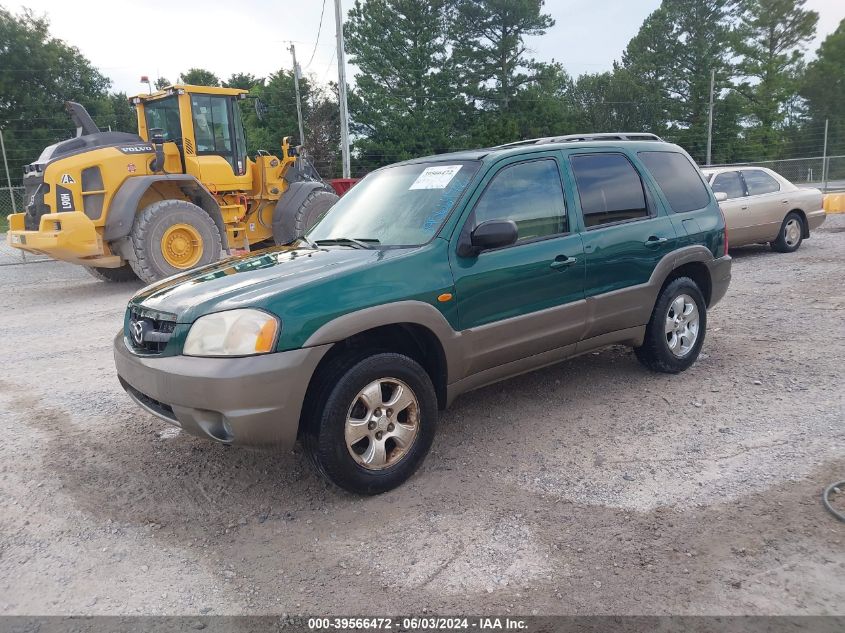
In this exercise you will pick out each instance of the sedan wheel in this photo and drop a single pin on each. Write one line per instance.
(791, 233)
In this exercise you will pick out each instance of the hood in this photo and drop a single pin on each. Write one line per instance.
(249, 280)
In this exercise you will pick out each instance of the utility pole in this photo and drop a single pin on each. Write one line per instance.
(292, 50)
(824, 157)
(8, 176)
(341, 86)
(710, 117)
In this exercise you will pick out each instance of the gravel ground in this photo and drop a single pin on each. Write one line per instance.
(591, 487)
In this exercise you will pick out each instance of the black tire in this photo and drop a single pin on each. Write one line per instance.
(332, 399)
(294, 224)
(150, 227)
(655, 352)
(783, 243)
(117, 275)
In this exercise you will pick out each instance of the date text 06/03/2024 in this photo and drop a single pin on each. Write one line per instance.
(430, 623)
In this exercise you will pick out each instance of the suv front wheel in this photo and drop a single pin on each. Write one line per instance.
(373, 422)
(675, 332)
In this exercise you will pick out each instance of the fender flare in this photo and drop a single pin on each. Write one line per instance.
(293, 198)
(400, 312)
(124, 205)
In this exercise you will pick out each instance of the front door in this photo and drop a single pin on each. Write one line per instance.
(527, 298)
(626, 233)
(735, 208)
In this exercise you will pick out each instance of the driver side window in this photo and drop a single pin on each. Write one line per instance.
(528, 193)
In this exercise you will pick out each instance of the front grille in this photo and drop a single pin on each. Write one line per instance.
(149, 333)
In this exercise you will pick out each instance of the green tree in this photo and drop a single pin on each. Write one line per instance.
(244, 81)
(672, 56)
(615, 101)
(38, 73)
(823, 88)
(490, 51)
(279, 96)
(199, 77)
(403, 104)
(769, 40)
(322, 131)
(161, 83)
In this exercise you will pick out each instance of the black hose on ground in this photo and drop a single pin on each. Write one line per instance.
(826, 499)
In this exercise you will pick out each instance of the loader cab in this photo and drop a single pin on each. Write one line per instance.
(205, 128)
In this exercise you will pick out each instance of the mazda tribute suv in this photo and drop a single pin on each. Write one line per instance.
(430, 278)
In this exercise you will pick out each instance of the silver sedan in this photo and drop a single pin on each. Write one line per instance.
(762, 206)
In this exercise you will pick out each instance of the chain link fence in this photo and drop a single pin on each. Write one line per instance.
(826, 174)
(11, 201)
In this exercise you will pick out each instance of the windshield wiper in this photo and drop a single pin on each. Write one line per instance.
(363, 242)
(308, 241)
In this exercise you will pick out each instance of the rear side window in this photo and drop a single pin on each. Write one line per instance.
(678, 179)
(759, 182)
(730, 183)
(530, 194)
(609, 188)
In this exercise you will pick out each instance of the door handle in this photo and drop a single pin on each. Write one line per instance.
(784, 201)
(562, 261)
(655, 241)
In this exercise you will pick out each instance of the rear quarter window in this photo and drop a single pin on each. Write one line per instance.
(678, 178)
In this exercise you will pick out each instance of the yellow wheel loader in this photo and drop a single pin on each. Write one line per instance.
(179, 194)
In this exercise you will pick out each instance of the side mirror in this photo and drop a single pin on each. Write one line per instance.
(493, 234)
(157, 139)
(721, 196)
(156, 136)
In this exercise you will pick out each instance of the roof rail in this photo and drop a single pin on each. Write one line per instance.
(572, 138)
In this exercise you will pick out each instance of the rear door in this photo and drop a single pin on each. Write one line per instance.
(625, 233)
(527, 298)
(685, 197)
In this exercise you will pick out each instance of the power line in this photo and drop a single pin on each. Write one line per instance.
(317, 41)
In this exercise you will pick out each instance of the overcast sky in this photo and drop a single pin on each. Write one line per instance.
(126, 39)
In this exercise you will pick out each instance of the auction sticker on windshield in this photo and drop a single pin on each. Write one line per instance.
(435, 177)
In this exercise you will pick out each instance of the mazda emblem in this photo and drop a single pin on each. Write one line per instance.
(138, 332)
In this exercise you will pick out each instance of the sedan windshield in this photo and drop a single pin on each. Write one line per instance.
(404, 205)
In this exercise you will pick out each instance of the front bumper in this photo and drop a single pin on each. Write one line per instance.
(69, 236)
(251, 401)
(720, 278)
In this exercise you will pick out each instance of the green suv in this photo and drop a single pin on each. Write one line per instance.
(430, 278)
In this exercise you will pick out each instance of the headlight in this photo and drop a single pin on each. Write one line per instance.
(232, 333)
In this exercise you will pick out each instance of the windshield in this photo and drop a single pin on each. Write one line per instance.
(404, 205)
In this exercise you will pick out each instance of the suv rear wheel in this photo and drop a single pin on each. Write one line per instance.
(372, 423)
(675, 332)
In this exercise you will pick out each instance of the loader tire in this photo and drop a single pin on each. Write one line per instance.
(117, 275)
(294, 224)
(172, 236)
